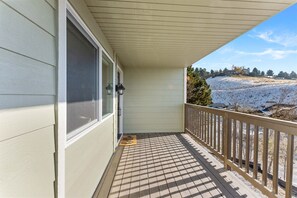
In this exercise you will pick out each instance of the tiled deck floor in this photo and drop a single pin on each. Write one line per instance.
(173, 165)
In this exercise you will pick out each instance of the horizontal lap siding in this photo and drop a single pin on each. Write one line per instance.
(27, 98)
(87, 158)
(153, 100)
(26, 165)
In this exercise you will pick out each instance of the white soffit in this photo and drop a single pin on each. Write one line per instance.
(176, 33)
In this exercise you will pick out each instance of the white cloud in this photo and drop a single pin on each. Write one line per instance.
(275, 54)
(284, 39)
(226, 50)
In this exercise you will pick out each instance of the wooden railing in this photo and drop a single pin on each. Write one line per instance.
(248, 144)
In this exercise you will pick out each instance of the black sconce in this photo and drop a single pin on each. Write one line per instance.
(109, 89)
(120, 88)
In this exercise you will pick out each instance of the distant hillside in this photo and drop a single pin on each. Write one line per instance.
(252, 92)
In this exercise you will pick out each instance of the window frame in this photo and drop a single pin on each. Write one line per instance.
(75, 135)
(113, 87)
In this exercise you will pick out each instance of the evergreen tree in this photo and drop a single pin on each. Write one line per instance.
(225, 71)
(286, 75)
(255, 72)
(281, 74)
(269, 72)
(198, 92)
(293, 75)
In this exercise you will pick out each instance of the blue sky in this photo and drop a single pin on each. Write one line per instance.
(270, 45)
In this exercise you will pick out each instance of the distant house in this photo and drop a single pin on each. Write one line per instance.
(246, 71)
(230, 72)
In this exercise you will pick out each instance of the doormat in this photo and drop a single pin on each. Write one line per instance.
(128, 140)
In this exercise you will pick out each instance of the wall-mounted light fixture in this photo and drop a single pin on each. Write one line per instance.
(120, 88)
(109, 89)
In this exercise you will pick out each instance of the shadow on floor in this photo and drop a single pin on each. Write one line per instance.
(169, 165)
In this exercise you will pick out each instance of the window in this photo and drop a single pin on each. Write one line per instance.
(82, 80)
(107, 85)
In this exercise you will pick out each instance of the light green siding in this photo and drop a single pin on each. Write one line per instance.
(27, 96)
(87, 159)
(26, 165)
(153, 100)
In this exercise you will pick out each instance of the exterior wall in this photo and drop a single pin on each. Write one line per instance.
(87, 158)
(153, 100)
(27, 98)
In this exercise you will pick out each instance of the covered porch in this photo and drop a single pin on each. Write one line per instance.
(50, 151)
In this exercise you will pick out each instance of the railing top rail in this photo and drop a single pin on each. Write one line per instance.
(282, 125)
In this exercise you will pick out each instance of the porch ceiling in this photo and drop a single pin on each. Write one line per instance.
(176, 33)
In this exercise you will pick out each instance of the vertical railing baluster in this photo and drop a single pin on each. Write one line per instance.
(234, 140)
(256, 142)
(265, 156)
(211, 129)
(207, 124)
(200, 127)
(223, 133)
(198, 122)
(275, 161)
(201, 124)
(247, 148)
(196, 125)
(205, 127)
(215, 132)
(289, 173)
(185, 118)
(240, 144)
(219, 133)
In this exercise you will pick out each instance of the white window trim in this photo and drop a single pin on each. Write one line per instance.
(61, 112)
(85, 129)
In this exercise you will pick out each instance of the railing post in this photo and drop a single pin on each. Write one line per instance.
(265, 156)
(185, 117)
(275, 162)
(227, 140)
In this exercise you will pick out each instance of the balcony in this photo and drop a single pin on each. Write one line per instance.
(197, 163)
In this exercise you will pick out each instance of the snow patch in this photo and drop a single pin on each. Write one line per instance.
(252, 92)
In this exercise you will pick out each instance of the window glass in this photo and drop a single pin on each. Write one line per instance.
(82, 80)
(107, 85)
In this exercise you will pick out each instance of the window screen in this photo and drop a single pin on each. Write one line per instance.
(82, 80)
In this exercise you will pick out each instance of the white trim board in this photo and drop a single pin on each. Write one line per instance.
(61, 95)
